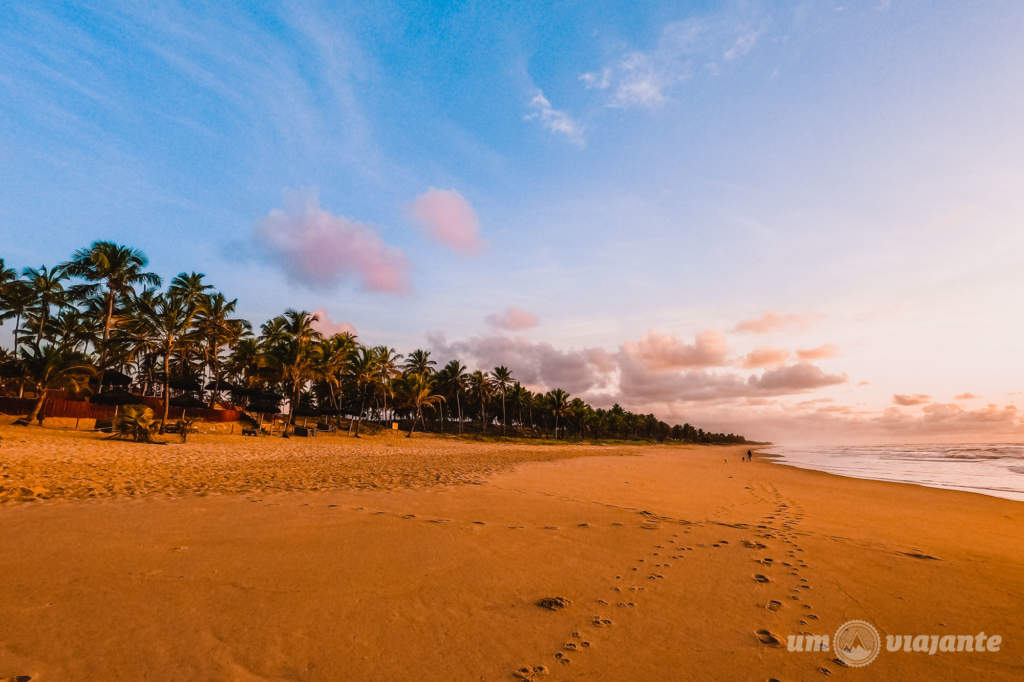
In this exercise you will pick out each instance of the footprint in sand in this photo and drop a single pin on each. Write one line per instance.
(758, 577)
(773, 605)
(768, 638)
(526, 673)
(553, 603)
(601, 622)
(562, 658)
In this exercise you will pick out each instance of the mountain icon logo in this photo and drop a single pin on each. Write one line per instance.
(857, 643)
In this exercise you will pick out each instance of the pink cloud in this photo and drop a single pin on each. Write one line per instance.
(773, 322)
(319, 250)
(513, 319)
(908, 400)
(449, 219)
(764, 357)
(666, 352)
(537, 365)
(792, 378)
(328, 327)
(823, 351)
(965, 396)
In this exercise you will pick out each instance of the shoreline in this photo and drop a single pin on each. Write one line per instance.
(851, 471)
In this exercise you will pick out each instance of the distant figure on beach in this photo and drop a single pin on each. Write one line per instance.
(749, 455)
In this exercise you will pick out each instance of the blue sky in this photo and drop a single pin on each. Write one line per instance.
(674, 167)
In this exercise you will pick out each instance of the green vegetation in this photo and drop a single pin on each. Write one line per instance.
(100, 320)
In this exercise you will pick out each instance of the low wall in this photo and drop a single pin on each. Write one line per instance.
(63, 407)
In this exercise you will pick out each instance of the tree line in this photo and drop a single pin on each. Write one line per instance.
(100, 323)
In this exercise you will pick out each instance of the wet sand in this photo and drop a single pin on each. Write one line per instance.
(424, 559)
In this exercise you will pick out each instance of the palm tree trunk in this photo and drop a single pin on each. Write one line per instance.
(413, 426)
(362, 402)
(458, 404)
(167, 387)
(291, 410)
(109, 316)
(38, 407)
(504, 416)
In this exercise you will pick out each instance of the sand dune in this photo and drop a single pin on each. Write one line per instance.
(430, 559)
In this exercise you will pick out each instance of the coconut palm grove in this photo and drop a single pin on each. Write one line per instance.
(100, 328)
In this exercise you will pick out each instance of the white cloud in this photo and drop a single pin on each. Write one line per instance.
(555, 120)
(646, 78)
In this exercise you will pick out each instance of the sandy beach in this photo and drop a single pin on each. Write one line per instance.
(386, 558)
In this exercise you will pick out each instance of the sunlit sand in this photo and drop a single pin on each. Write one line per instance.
(428, 558)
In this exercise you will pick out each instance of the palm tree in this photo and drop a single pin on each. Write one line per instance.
(47, 368)
(7, 279)
(421, 396)
(334, 358)
(419, 363)
(520, 398)
(17, 303)
(119, 267)
(47, 287)
(558, 400)
(453, 383)
(70, 330)
(190, 287)
(501, 379)
(480, 383)
(163, 320)
(387, 367)
(363, 371)
(217, 329)
(294, 347)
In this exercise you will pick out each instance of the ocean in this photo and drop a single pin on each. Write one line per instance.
(989, 469)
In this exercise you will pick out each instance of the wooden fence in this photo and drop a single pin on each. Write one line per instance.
(60, 406)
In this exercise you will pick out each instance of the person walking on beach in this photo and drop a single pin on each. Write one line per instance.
(749, 456)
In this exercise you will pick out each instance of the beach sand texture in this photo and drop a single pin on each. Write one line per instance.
(232, 558)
